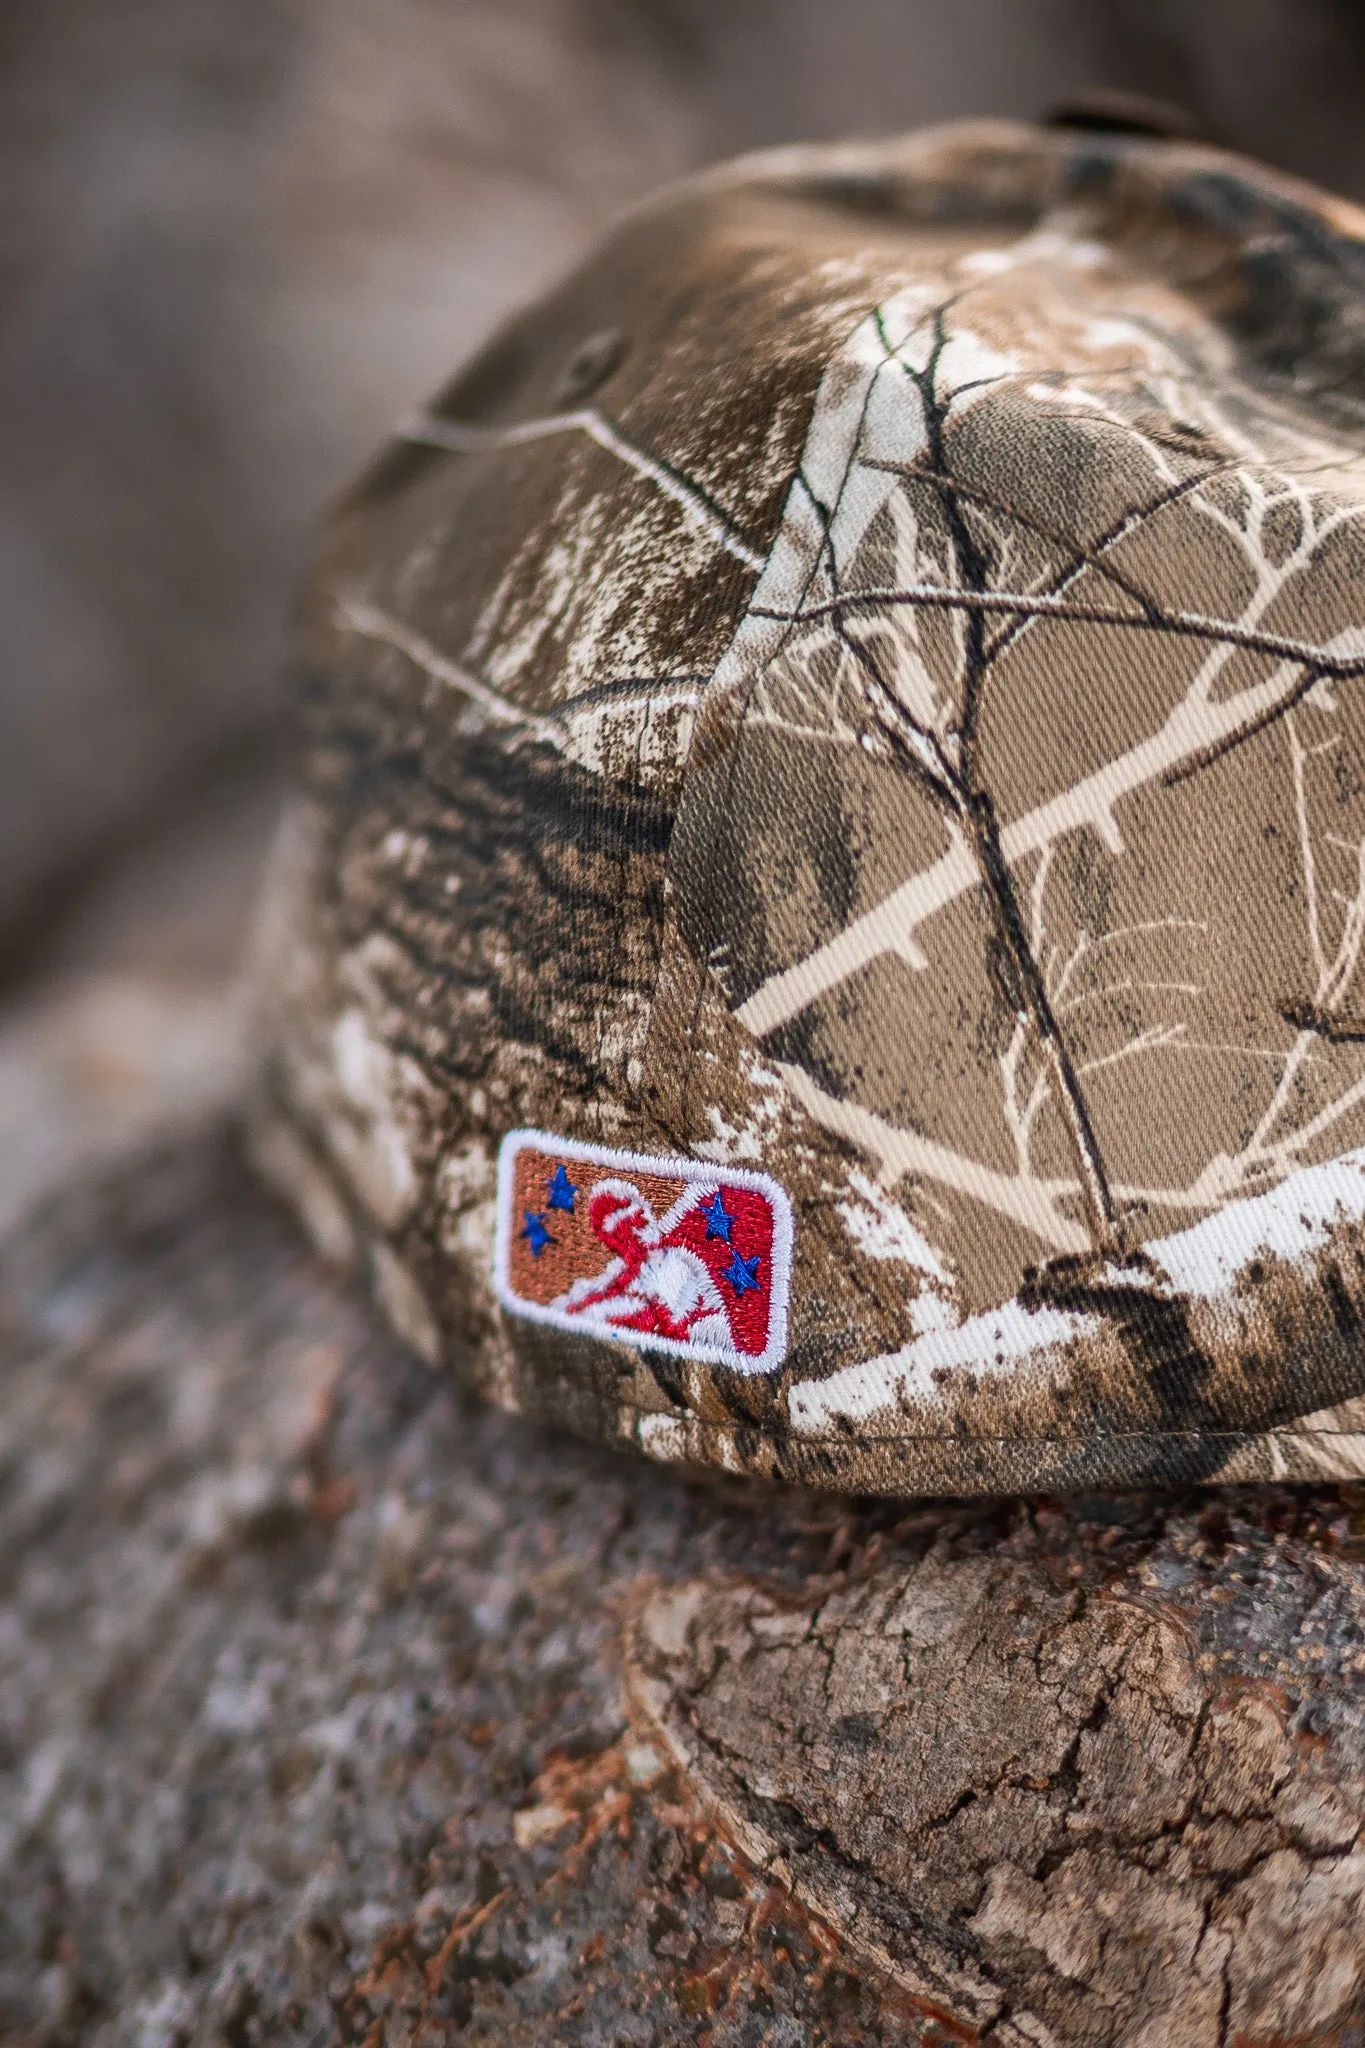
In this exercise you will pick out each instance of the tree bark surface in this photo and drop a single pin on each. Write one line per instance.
(337, 1708)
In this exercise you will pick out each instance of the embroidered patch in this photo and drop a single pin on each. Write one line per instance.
(666, 1254)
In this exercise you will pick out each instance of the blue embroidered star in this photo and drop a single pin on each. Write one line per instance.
(742, 1273)
(535, 1233)
(718, 1217)
(562, 1191)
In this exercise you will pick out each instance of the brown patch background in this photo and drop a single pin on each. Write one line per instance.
(575, 1252)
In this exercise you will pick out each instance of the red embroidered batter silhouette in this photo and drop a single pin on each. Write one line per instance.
(654, 1282)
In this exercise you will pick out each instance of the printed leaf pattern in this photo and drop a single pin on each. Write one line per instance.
(1083, 635)
(902, 729)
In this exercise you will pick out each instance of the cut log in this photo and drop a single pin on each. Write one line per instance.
(336, 1708)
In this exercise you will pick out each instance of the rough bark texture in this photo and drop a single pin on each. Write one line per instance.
(338, 1708)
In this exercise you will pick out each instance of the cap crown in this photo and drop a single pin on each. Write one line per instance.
(864, 689)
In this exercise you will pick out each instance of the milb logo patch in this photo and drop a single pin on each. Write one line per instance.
(666, 1254)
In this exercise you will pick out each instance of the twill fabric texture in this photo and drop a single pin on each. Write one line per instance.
(818, 927)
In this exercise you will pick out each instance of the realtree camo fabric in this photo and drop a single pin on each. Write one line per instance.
(862, 692)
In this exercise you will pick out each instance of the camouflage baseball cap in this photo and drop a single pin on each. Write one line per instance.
(819, 930)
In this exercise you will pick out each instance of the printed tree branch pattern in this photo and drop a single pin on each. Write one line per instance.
(894, 722)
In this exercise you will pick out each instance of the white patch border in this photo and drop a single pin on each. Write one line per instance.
(710, 1175)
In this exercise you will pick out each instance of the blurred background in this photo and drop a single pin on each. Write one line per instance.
(237, 238)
